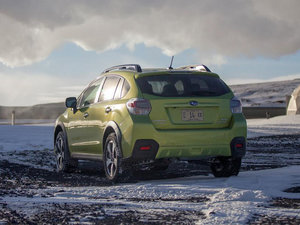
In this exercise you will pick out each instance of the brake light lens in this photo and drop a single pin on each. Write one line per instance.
(138, 106)
(235, 105)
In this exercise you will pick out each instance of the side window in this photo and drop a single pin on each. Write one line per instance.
(119, 89)
(109, 88)
(90, 93)
(125, 88)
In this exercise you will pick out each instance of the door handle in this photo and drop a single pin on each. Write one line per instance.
(85, 115)
(107, 109)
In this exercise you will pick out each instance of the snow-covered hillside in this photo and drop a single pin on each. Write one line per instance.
(267, 94)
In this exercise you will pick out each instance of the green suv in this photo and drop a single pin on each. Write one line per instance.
(131, 116)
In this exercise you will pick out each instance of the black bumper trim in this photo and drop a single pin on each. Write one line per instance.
(238, 152)
(150, 154)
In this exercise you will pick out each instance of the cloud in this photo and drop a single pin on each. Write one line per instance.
(31, 29)
(216, 59)
(21, 89)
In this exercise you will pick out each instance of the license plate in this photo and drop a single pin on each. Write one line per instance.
(192, 115)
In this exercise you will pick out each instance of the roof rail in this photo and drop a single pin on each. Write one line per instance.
(200, 67)
(135, 67)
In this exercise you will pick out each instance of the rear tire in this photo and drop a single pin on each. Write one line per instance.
(112, 158)
(64, 162)
(226, 167)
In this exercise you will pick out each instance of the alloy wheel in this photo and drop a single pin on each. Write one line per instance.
(60, 156)
(111, 158)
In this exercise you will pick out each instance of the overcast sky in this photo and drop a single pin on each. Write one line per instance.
(51, 49)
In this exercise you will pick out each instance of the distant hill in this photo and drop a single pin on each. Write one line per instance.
(269, 94)
(42, 111)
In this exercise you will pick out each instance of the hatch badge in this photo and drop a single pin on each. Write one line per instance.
(194, 103)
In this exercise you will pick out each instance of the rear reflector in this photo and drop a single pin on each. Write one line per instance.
(144, 148)
(238, 145)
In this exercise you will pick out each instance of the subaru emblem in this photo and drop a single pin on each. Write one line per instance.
(193, 103)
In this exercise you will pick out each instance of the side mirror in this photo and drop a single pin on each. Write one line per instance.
(71, 102)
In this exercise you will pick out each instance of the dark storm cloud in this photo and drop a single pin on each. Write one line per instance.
(31, 29)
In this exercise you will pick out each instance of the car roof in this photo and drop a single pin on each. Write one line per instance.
(137, 71)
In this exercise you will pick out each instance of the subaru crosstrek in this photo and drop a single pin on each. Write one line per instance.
(132, 116)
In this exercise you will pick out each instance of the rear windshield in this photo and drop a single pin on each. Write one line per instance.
(182, 85)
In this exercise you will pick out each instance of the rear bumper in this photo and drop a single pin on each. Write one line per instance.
(237, 150)
(188, 144)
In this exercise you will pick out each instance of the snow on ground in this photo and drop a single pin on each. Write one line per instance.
(274, 126)
(202, 199)
(19, 138)
(25, 144)
(231, 200)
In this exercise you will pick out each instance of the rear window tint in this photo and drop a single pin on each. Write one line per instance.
(182, 85)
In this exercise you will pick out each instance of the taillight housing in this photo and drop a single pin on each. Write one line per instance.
(138, 106)
(235, 105)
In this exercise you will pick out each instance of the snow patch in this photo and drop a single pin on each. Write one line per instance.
(231, 200)
(280, 125)
(19, 138)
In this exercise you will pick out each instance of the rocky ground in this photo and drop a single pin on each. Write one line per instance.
(24, 174)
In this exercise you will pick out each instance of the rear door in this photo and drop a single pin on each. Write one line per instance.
(187, 101)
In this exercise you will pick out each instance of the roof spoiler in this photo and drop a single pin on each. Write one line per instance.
(200, 67)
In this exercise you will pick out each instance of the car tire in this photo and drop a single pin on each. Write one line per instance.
(225, 167)
(64, 162)
(112, 157)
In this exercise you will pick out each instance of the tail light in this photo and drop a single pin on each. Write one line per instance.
(138, 106)
(235, 105)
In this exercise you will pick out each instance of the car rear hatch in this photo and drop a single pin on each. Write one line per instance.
(186, 100)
